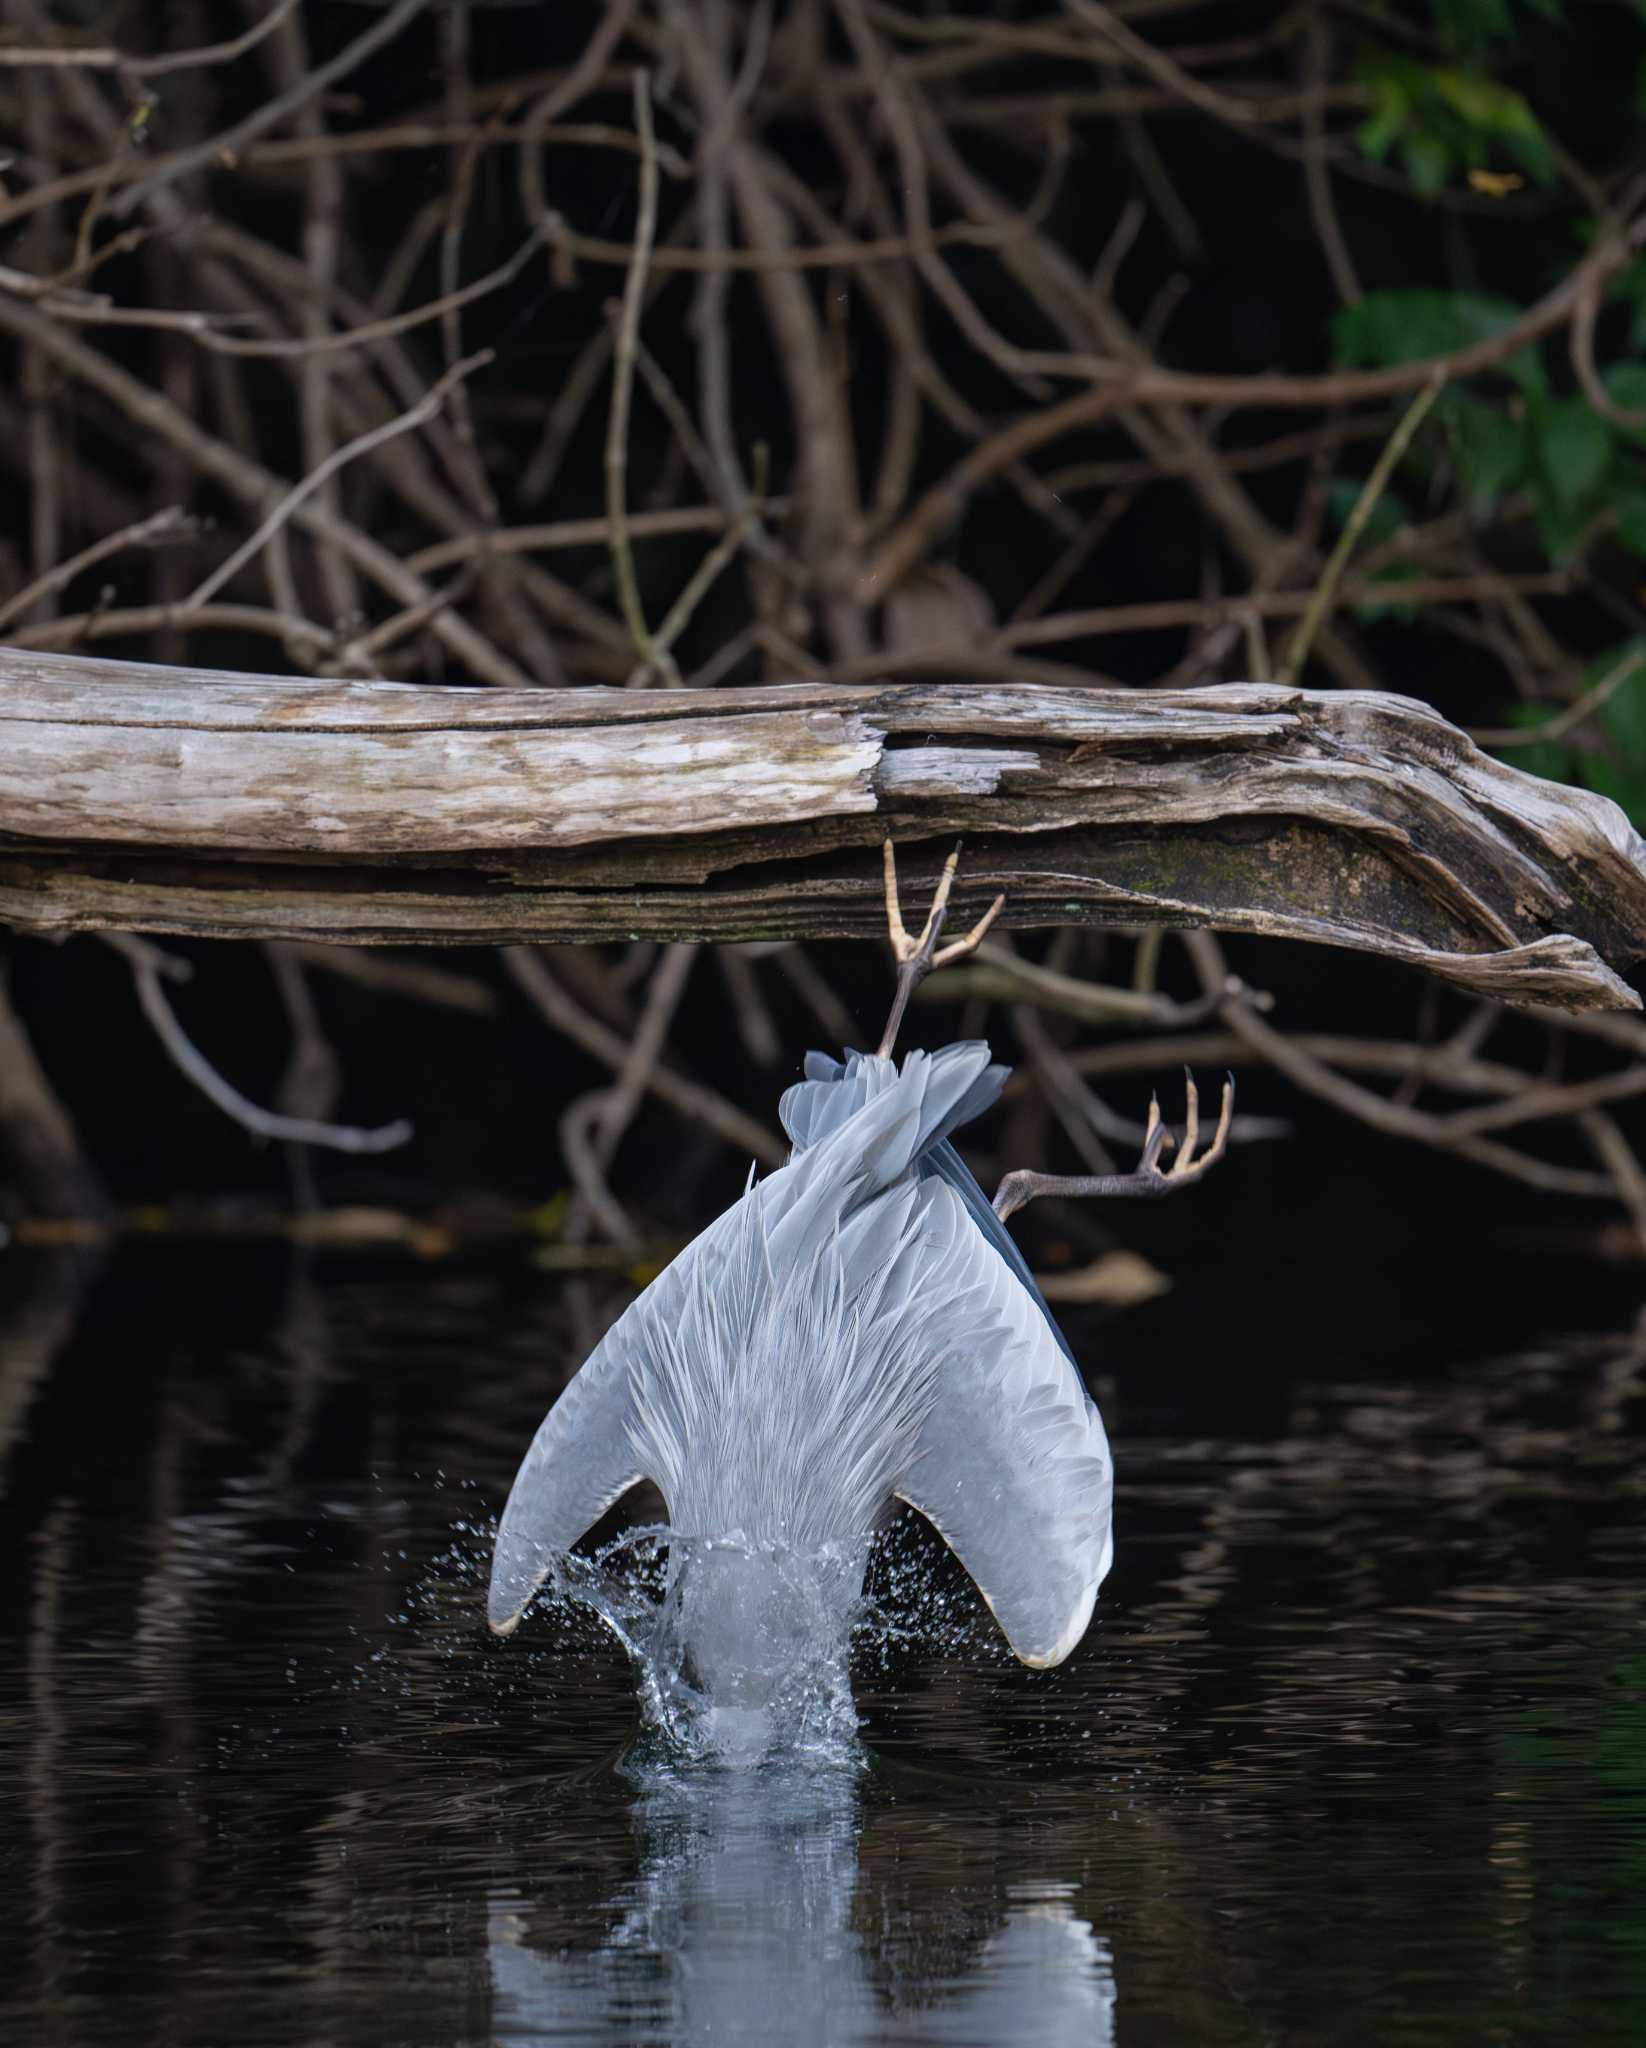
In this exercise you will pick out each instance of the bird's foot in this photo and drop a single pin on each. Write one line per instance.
(1148, 1177)
(916, 958)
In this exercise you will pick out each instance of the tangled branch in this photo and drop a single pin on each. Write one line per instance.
(920, 366)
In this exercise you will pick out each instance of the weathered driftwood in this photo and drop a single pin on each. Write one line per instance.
(161, 799)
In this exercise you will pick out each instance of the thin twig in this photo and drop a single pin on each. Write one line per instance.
(617, 423)
(148, 964)
(1399, 1120)
(173, 524)
(1353, 527)
(101, 57)
(679, 615)
(691, 1098)
(366, 332)
(669, 520)
(1629, 664)
(1007, 977)
(1317, 168)
(613, 1109)
(1617, 1155)
(425, 409)
(372, 969)
(249, 481)
(223, 148)
(587, 1170)
(756, 1026)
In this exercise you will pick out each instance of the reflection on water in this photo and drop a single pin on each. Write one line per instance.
(1356, 1750)
(748, 1919)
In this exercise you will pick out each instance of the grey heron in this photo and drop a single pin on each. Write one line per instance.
(858, 1330)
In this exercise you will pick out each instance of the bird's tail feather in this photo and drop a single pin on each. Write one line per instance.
(943, 1090)
(834, 1091)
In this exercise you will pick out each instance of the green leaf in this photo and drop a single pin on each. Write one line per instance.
(1631, 286)
(1625, 786)
(1560, 527)
(1391, 109)
(1573, 445)
(1370, 609)
(1534, 154)
(1387, 516)
(1624, 712)
(1553, 763)
(1475, 25)
(1571, 455)
(1428, 161)
(1472, 24)
(1484, 104)
(1489, 446)
(1447, 115)
(1626, 387)
(1405, 326)
(1617, 770)
(1631, 520)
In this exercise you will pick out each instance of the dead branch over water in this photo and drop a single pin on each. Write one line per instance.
(258, 807)
(691, 354)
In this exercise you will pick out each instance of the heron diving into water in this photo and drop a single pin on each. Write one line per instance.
(857, 1330)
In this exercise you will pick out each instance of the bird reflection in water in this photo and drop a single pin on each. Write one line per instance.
(703, 1943)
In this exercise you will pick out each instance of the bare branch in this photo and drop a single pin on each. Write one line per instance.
(425, 409)
(1354, 526)
(558, 1009)
(148, 964)
(173, 524)
(617, 427)
(223, 148)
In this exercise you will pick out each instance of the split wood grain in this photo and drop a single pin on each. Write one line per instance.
(147, 798)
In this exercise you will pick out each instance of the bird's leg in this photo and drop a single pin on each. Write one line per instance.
(916, 958)
(1147, 1177)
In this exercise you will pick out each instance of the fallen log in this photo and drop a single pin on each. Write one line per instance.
(158, 799)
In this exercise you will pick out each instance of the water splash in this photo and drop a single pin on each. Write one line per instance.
(741, 1650)
(743, 1654)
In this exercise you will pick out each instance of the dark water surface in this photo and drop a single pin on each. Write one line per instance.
(1355, 1751)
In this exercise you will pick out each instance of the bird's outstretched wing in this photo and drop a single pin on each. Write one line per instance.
(987, 1430)
(1011, 1464)
(832, 1209)
(581, 1460)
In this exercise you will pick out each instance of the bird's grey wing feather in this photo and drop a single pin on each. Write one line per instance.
(947, 1164)
(584, 1455)
(834, 1091)
(890, 1119)
(1009, 1460)
(1011, 1465)
(581, 1460)
(586, 1452)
